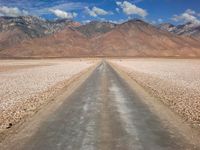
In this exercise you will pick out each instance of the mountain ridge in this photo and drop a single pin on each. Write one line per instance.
(187, 29)
(67, 38)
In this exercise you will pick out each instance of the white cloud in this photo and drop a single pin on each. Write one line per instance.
(117, 21)
(12, 11)
(191, 12)
(131, 9)
(63, 14)
(188, 16)
(160, 20)
(153, 22)
(117, 9)
(99, 11)
(86, 21)
(95, 11)
(90, 12)
(67, 6)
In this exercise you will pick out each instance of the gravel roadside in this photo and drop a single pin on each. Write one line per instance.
(24, 90)
(175, 82)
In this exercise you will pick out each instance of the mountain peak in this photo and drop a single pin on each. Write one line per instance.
(135, 22)
(166, 27)
(166, 24)
(61, 20)
(95, 28)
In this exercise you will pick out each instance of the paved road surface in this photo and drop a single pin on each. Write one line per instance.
(104, 114)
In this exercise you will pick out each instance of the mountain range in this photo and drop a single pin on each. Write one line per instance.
(188, 29)
(29, 36)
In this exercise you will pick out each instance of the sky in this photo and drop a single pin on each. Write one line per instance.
(117, 11)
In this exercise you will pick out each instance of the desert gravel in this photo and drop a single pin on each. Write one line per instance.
(31, 84)
(176, 82)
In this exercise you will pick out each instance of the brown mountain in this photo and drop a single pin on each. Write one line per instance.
(132, 38)
(14, 30)
(138, 38)
(67, 42)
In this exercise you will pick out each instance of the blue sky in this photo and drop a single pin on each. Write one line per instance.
(154, 11)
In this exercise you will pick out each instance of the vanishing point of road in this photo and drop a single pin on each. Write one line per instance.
(104, 113)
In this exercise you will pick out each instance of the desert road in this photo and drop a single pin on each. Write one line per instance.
(104, 113)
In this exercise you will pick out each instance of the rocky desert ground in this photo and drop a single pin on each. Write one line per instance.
(176, 82)
(27, 84)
